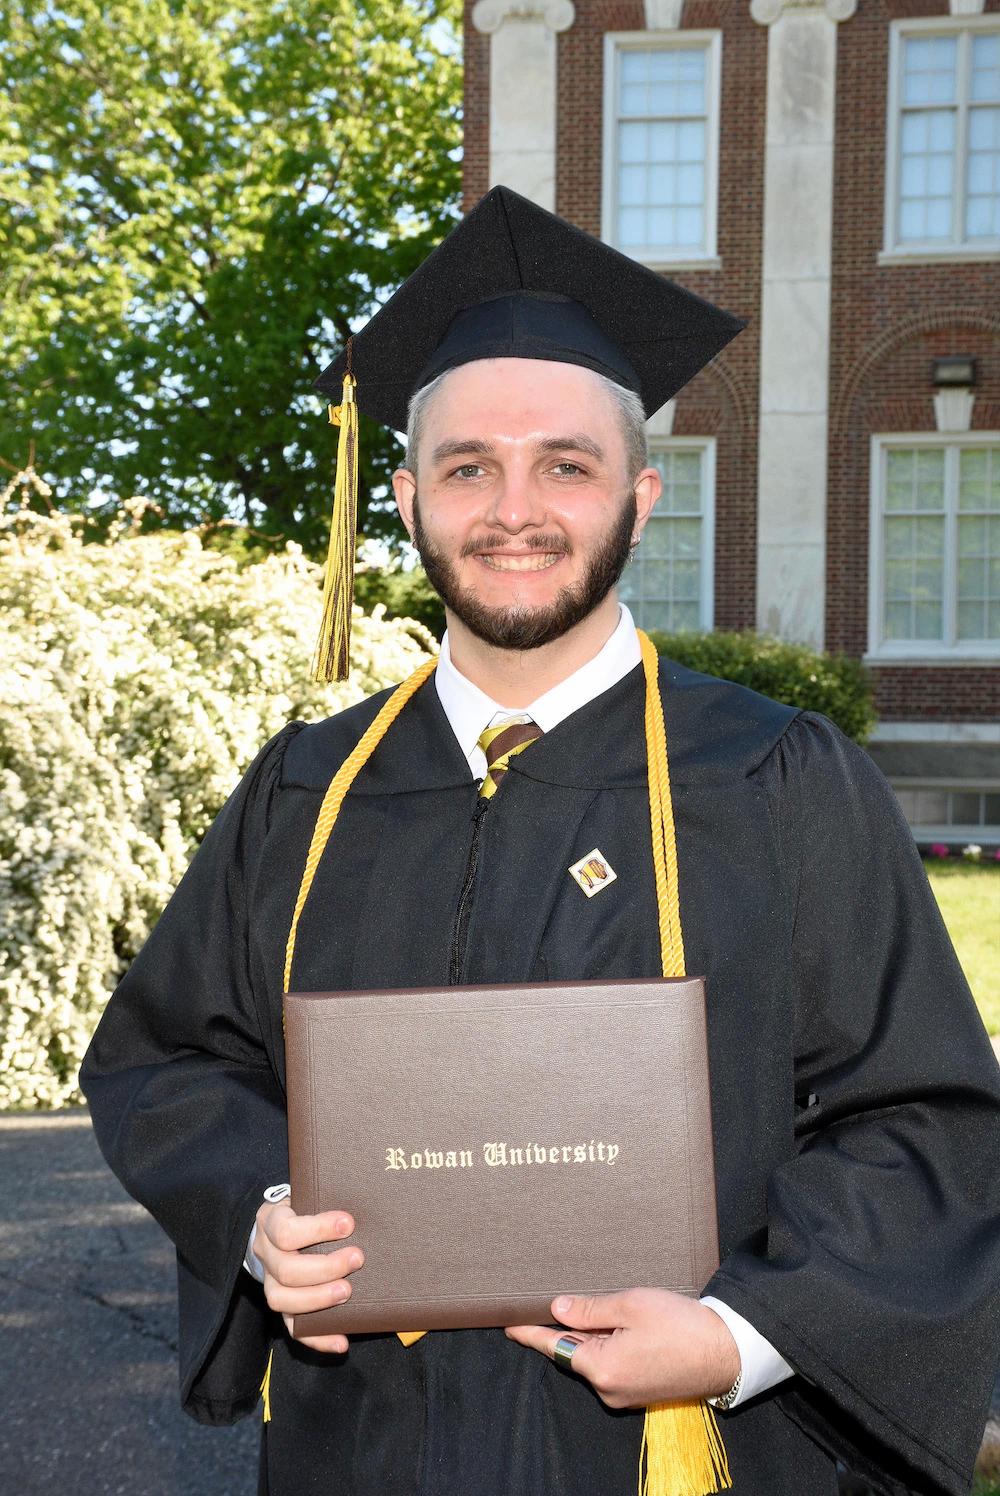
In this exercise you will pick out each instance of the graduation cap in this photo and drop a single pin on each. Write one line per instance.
(510, 281)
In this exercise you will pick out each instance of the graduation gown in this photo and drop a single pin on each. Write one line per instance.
(856, 1099)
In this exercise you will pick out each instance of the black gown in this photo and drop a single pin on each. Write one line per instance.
(856, 1098)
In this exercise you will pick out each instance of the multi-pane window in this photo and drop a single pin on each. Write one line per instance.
(661, 149)
(947, 140)
(668, 584)
(979, 543)
(914, 544)
(945, 806)
(936, 546)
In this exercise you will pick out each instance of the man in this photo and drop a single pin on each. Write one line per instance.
(855, 1096)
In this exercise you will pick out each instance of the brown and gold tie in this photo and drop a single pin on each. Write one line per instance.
(500, 744)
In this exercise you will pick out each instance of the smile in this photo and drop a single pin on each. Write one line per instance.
(535, 562)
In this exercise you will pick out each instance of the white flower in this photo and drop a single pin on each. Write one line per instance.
(139, 679)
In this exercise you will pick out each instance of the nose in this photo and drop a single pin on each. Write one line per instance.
(516, 504)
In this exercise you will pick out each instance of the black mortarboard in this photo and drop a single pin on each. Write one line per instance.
(514, 281)
(509, 281)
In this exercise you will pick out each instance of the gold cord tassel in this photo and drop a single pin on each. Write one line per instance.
(265, 1386)
(332, 659)
(682, 1452)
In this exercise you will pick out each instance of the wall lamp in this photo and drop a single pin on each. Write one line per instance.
(960, 370)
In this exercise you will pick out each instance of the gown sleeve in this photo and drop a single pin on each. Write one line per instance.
(877, 1274)
(185, 1103)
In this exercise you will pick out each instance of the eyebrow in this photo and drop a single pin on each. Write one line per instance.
(479, 447)
(577, 442)
(475, 446)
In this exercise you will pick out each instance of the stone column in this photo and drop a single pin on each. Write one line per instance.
(523, 92)
(795, 313)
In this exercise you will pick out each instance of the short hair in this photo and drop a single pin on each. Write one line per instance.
(630, 413)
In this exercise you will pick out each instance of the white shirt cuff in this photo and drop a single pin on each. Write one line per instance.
(251, 1261)
(761, 1364)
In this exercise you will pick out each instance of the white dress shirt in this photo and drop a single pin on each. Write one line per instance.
(470, 711)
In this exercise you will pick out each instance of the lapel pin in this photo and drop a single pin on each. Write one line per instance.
(593, 872)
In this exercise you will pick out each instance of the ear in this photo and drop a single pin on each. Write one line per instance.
(404, 486)
(648, 487)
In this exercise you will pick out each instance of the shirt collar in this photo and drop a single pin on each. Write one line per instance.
(469, 710)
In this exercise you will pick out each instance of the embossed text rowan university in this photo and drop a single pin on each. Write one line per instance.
(504, 1155)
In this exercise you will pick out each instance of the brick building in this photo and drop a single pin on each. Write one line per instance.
(829, 170)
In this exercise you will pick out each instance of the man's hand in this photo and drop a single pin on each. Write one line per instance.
(643, 1346)
(296, 1282)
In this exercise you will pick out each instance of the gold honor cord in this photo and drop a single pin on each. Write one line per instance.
(682, 1452)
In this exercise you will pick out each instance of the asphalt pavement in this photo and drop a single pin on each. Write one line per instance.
(88, 1334)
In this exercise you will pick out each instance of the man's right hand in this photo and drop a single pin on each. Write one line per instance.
(296, 1282)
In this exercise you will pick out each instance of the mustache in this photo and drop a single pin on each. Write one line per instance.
(554, 544)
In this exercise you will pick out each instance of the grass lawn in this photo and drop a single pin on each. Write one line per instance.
(969, 897)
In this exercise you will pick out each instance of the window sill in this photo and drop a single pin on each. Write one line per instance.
(963, 657)
(955, 255)
(983, 836)
(708, 262)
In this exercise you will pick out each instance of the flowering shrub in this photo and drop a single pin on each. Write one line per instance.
(973, 852)
(138, 680)
(938, 849)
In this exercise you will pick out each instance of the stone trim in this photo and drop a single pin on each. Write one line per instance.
(523, 70)
(953, 410)
(489, 15)
(766, 12)
(936, 732)
(663, 15)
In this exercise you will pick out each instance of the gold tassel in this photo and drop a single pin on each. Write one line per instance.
(332, 659)
(265, 1386)
(682, 1452)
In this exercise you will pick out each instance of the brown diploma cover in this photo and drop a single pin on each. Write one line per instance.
(499, 1145)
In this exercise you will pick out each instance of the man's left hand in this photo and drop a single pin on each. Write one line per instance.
(643, 1346)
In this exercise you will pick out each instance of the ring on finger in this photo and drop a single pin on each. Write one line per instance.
(562, 1353)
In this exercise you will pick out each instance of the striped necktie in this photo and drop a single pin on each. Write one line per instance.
(500, 744)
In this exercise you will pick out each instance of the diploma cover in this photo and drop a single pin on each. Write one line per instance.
(498, 1145)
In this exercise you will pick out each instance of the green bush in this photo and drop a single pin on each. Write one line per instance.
(835, 685)
(404, 594)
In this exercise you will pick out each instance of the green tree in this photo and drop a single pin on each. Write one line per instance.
(200, 198)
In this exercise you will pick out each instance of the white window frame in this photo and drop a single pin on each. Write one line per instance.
(958, 251)
(948, 831)
(919, 651)
(706, 446)
(615, 43)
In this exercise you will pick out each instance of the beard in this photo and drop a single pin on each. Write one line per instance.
(529, 628)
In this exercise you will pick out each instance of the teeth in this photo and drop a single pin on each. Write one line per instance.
(521, 563)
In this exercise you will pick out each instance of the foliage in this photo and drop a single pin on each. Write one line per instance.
(138, 679)
(832, 684)
(200, 201)
(403, 594)
(969, 899)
